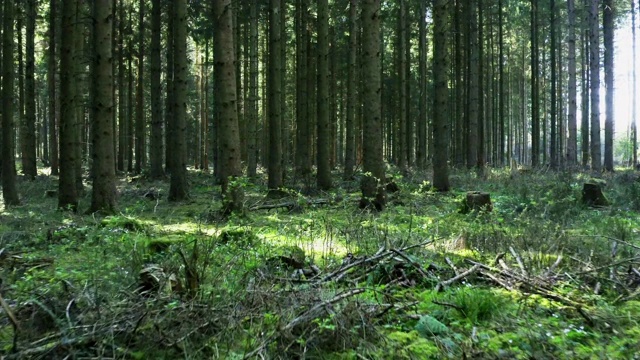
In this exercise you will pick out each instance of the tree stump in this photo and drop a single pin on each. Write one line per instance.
(592, 194)
(477, 201)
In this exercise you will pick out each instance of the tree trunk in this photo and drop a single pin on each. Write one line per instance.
(156, 106)
(441, 120)
(122, 108)
(67, 192)
(103, 196)
(535, 86)
(9, 190)
(401, 136)
(226, 99)
(608, 30)
(594, 68)
(634, 106)
(474, 90)
(421, 151)
(51, 83)
(372, 184)
(168, 113)
(352, 92)
(584, 129)
(252, 106)
(553, 151)
(323, 123)
(29, 167)
(178, 186)
(141, 125)
(572, 142)
(275, 93)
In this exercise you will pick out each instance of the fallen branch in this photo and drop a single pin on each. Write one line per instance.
(442, 284)
(519, 260)
(290, 204)
(306, 316)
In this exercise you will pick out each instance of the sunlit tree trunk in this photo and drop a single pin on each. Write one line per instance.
(141, 125)
(585, 98)
(103, 196)
(372, 184)
(608, 30)
(594, 68)
(9, 190)
(474, 90)
(634, 106)
(421, 151)
(226, 98)
(553, 151)
(52, 89)
(572, 142)
(352, 92)
(168, 111)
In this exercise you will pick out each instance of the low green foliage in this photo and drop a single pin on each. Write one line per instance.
(165, 281)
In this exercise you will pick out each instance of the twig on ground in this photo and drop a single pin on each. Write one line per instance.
(519, 260)
(442, 284)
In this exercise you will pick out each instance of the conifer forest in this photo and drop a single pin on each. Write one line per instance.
(328, 179)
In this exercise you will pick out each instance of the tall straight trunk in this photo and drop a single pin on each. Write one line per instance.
(572, 141)
(634, 106)
(584, 129)
(481, 96)
(226, 98)
(9, 190)
(372, 184)
(168, 112)
(608, 30)
(323, 123)
(401, 136)
(29, 167)
(553, 151)
(156, 148)
(474, 89)
(19, 25)
(459, 70)
(122, 102)
(51, 84)
(594, 68)
(421, 150)
(141, 125)
(501, 91)
(535, 86)
(409, 131)
(67, 191)
(78, 84)
(103, 196)
(130, 100)
(252, 106)
(352, 92)
(284, 117)
(275, 94)
(441, 120)
(178, 187)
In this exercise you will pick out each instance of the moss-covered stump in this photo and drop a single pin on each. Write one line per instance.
(477, 201)
(592, 194)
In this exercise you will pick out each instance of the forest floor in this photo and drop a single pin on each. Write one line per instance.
(312, 276)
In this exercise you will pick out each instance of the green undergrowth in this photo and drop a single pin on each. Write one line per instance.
(164, 281)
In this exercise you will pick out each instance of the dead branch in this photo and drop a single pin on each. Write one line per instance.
(442, 284)
(519, 260)
(413, 263)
